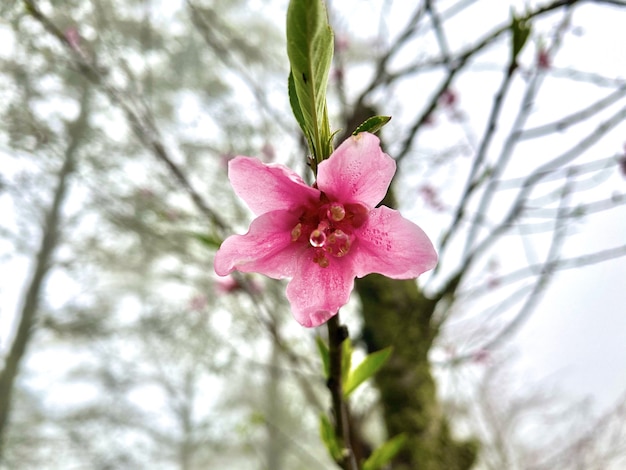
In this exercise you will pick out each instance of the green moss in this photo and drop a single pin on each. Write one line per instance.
(396, 313)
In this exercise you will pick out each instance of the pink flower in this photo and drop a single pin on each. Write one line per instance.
(326, 235)
(73, 38)
(449, 98)
(543, 59)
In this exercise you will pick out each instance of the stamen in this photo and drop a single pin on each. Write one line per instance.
(296, 232)
(338, 243)
(336, 212)
(321, 259)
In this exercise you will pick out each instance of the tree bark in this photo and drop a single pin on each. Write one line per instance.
(396, 313)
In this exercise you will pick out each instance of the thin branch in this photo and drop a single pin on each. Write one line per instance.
(556, 173)
(439, 32)
(473, 180)
(138, 115)
(337, 334)
(580, 210)
(47, 247)
(588, 259)
(207, 28)
(574, 118)
(385, 59)
(509, 145)
(545, 276)
(531, 181)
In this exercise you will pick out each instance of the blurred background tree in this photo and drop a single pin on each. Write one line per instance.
(120, 347)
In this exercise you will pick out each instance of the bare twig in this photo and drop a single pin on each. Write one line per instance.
(546, 273)
(139, 117)
(574, 118)
(337, 334)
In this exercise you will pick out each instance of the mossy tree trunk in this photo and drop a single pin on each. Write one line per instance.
(396, 313)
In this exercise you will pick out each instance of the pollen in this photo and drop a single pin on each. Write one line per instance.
(321, 259)
(296, 232)
(338, 244)
(336, 212)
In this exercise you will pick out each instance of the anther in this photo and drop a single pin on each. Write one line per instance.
(336, 212)
(321, 259)
(296, 232)
(338, 243)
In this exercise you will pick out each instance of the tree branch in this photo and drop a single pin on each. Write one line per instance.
(139, 117)
(48, 244)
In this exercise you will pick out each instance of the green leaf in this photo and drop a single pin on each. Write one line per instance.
(366, 369)
(372, 125)
(381, 456)
(310, 51)
(207, 240)
(324, 354)
(295, 105)
(520, 29)
(329, 438)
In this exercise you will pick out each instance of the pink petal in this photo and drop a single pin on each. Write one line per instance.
(357, 171)
(266, 248)
(317, 293)
(268, 188)
(391, 245)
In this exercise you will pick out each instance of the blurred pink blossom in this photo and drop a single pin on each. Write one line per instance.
(543, 59)
(229, 284)
(431, 197)
(198, 302)
(268, 152)
(449, 99)
(73, 38)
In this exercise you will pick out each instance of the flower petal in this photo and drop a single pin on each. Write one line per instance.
(357, 171)
(317, 293)
(391, 245)
(268, 188)
(266, 248)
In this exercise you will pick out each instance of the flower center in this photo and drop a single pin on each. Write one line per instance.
(328, 229)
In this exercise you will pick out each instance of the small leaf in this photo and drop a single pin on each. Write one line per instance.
(520, 29)
(329, 438)
(372, 125)
(310, 51)
(366, 369)
(324, 354)
(385, 453)
(207, 240)
(295, 104)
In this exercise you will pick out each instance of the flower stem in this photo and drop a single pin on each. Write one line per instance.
(337, 333)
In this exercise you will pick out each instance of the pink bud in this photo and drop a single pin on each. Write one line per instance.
(198, 302)
(268, 152)
(73, 38)
(543, 59)
(449, 98)
(431, 197)
(482, 356)
(341, 43)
